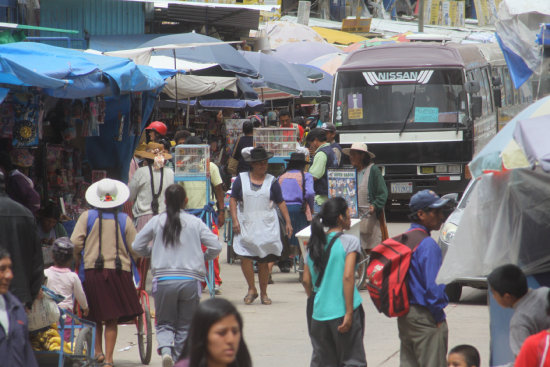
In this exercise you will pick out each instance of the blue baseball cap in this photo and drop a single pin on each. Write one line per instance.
(426, 199)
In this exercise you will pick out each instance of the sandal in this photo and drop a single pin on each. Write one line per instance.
(266, 300)
(99, 358)
(108, 364)
(249, 298)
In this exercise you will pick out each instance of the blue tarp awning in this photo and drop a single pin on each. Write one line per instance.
(66, 73)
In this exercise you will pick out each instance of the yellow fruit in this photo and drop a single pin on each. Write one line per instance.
(55, 339)
(67, 348)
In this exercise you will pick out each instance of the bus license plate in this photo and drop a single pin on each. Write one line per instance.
(401, 187)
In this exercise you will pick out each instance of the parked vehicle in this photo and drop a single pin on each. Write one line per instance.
(446, 236)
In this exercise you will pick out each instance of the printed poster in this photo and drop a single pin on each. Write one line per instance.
(343, 182)
(445, 12)
(486, 11)
(355, 106)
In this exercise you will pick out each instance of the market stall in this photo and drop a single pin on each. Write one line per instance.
(80, 115)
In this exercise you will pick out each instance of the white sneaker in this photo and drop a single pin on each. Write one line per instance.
(167, 360)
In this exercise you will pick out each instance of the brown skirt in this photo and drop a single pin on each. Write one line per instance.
(111, 295)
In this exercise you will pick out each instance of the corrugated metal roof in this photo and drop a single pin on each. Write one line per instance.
(219, 16)
(97, 17)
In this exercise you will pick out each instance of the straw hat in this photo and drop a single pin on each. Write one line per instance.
(151, 150)
(361, 147)
(107, 193)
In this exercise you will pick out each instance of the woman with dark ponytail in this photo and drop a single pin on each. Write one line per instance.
(336, 319)
(177, 265)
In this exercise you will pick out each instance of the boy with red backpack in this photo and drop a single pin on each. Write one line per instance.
(401, 281)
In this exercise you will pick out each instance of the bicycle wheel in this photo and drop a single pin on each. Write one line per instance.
(361, 269)
(145, 333)
(83, 345)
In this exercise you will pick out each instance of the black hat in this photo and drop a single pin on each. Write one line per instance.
(316, 133)
(297, 157)
(259, 154)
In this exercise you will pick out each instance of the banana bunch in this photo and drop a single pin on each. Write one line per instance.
(49, 340)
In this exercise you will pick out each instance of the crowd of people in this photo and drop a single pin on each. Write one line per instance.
(151, 222)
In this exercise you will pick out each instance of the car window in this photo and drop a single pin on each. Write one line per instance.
(467, 194)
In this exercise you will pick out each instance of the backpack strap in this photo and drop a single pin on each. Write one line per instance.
(412, 238)
(326, 257)
(93, 214)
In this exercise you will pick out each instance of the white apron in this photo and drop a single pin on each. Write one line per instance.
(260, 234)
(369, 227)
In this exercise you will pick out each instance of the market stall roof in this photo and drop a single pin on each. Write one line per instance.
(304, 51)
(190, 86)
(339, 37)
(217, 51)
(66, 73)
(280, 77)
(218, 103)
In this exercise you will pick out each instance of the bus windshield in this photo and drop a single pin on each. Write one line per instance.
(390, 99)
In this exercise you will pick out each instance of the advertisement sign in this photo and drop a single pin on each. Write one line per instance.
(343, 182)
(446, 12)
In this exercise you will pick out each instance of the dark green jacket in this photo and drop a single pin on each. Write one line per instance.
(378, 192)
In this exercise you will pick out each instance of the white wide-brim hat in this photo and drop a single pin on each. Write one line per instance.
(107, 193)
(361, 147)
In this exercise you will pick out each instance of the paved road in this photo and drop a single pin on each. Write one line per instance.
(276, 335)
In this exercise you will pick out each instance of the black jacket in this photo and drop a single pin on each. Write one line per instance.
(20, 238)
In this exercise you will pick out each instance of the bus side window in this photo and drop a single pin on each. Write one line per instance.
(487, 93)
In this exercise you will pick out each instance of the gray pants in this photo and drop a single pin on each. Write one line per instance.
(422, 342)
(333, 349)
(175, 304)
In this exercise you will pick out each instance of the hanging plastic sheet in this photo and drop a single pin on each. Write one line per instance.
(506, 221)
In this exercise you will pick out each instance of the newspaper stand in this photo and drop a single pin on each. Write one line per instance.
(192, 163)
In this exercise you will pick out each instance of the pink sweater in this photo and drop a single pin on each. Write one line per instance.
(66, 283)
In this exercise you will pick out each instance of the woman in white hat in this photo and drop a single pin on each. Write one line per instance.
(102, 249)
(372, 194)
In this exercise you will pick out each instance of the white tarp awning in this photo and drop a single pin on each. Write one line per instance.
(190, 86)
(167, 62)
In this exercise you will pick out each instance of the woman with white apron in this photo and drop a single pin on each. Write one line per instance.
(255, 222)
(372, 194)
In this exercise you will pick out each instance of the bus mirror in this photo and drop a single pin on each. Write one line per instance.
(472, 86)
(497, 96)
(476, 106)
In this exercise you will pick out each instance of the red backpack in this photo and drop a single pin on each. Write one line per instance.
(387, 271)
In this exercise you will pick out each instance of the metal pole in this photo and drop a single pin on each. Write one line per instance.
(187, 113)
(176, 84)
(420, 16)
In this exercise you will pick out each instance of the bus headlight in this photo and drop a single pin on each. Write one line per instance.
(454, 168)
(448, 232)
